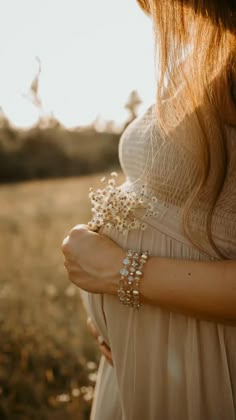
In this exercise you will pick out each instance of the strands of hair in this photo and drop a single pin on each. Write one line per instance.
(196, 71)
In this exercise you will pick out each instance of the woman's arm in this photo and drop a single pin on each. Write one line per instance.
(202, 289)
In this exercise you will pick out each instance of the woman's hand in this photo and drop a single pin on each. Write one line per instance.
(92, 260)
(103, 347)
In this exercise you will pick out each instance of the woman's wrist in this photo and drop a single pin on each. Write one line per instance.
(114, 281)
(127, 284)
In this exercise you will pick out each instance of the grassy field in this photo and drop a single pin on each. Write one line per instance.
(48, 360)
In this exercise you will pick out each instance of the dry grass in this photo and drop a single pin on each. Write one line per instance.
(45, 349)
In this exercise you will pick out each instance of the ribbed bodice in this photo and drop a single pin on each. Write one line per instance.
(168, 169)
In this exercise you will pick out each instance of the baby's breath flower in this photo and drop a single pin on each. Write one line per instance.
(149, 214)
(91, 225)
(143, 226)
(113, 207)
(111, 182)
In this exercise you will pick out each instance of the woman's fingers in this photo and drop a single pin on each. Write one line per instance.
(71, 265)
(106, 351)
(103, 347)
(92, 328)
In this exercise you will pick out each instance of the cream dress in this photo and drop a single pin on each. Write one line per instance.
(167, 366)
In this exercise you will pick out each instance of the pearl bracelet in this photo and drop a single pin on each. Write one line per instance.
(131, 274)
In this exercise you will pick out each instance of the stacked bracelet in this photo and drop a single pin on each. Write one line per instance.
(131, 274)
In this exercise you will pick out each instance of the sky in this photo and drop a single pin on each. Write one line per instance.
(93, 53)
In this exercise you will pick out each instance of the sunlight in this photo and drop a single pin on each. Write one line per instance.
(92, 55)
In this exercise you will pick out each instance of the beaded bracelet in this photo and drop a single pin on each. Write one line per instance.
(131, 274)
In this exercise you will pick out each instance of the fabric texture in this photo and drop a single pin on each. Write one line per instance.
(168, 366)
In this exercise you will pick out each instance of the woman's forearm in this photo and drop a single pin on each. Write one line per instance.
(202, 289)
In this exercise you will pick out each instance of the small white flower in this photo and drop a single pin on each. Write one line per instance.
(98, 221)
(111, 182)
(113, 207)
(91, 225)
(143, 226)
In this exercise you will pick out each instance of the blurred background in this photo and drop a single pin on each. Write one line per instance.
(73, 75)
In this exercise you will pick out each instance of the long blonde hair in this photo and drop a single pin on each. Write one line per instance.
(196, 49)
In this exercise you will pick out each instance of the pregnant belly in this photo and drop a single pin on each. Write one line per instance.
(94, 303)
(160, 242)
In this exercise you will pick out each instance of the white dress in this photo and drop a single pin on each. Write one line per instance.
(167, 366)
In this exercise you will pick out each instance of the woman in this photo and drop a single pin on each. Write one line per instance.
(175, 357)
